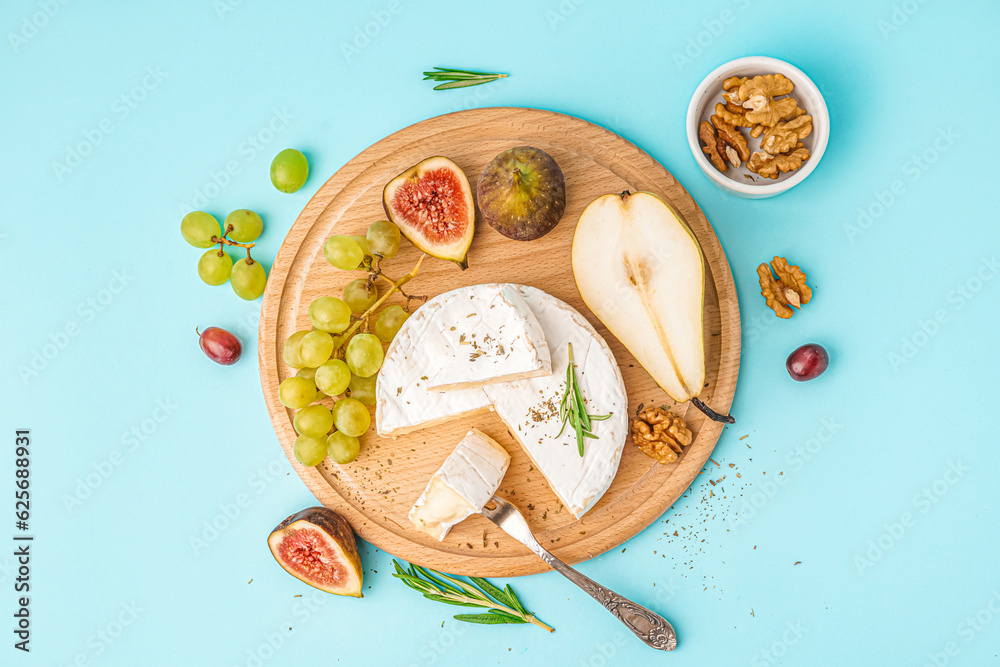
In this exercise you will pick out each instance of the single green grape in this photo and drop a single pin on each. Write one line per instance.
(315, 348)
(290, 352)
(330, 314)
(296, 392)
(362, 389)
(333, 377)
(215, 266)
(198, 228)
(343, 252)
(310, 373)
(342, 448)
(313, 420)
(360, 295)
(289, 170)
(389, 322)
(363, 244)
(383, 238)
(248, 279)
(364, 355)
(309, 451)
(247, 225)
(351, 417)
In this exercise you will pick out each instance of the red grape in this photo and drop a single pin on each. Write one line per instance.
(807, 362)
(220, 346)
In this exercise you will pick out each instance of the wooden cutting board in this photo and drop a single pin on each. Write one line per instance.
(375, 492)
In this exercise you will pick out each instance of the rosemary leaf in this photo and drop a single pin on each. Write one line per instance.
(441, 584)
(485, 619)
(447, 600)
(516, 604)
(464, 83)
(493, 591)
(512, 618)
(598, 418)
(471, 591)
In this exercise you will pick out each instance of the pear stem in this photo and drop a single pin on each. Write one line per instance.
(712, 414)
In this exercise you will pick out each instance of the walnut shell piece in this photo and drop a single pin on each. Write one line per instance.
(660, 434)
(706, 132)
(787, 290)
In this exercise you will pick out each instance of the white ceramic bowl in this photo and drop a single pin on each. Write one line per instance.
(702, 106)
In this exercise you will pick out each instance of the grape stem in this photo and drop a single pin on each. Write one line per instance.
(396, 285)
(376, 272)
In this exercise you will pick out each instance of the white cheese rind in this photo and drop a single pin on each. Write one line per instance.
(529, 407)
(501, 342)
(466, 481)
(419, 349)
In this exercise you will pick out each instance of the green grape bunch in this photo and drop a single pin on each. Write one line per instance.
(339, 358)
(216, 267)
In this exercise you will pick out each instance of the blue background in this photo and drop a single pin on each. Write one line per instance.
(862, 527)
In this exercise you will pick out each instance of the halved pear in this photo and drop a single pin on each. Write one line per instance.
(640, 270)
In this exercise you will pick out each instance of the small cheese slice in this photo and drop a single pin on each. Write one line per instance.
(498, 340)
(466, 481)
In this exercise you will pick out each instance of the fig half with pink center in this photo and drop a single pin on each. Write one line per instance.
(431, 203)
(317, 546)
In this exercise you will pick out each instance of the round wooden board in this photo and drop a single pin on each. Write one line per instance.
(375, 492)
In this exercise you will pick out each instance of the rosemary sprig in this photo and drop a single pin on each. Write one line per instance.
(572, 409)
(502, 605)
(460, 78)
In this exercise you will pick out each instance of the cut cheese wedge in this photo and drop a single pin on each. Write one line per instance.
(529, 407)
(494, 338)
(465, 482)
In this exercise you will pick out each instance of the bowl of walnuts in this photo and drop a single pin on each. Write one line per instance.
(757, 126)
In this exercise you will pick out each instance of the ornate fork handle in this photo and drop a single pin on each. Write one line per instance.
(648, 626)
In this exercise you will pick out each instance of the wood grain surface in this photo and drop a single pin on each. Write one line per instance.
(375, 492)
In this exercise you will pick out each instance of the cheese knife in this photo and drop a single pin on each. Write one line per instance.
(651, 628)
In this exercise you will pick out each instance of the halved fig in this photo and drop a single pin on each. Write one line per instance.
(522, 193)
(431, 203)
(317, 546)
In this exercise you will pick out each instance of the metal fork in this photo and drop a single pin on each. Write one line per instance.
(651, 628)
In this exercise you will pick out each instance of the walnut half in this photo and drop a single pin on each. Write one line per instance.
(660, 434)
(788, 290)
